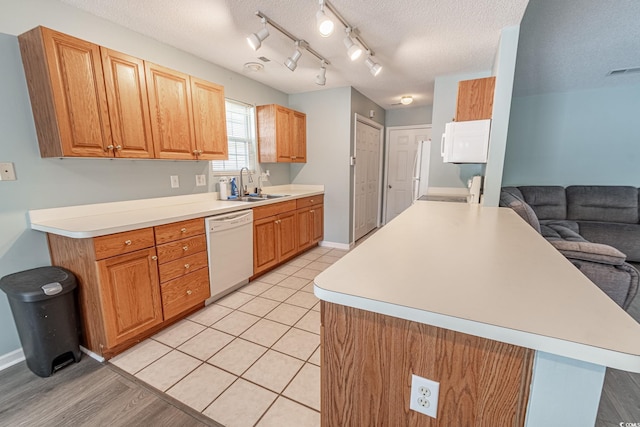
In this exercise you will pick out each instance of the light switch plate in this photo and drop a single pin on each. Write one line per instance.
(201, 180)
(7, 172)
(175, 181)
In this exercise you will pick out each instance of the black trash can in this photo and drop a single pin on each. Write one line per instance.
(43, 304)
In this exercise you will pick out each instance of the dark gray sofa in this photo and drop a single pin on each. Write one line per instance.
(596, 227)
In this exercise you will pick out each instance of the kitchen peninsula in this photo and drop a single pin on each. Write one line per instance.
(473, 298)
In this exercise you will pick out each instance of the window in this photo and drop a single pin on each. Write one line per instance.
(241, 137)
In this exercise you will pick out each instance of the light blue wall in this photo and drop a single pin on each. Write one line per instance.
(445, 94)
(46, 183)
(328, 150)
(409, 116)
(581, 137)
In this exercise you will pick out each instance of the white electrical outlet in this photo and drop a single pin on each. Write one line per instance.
(201, 180)
(7, 172)
(424, 396)
(175, 181)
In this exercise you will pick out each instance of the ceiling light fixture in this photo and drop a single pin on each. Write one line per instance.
(292, 61)
(321, 77)
(324, 23)
(353, 49)
(255, 40)
(374, 67)
(406, 100)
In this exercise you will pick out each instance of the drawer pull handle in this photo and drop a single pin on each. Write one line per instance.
(185, 248)
(127, 242)
(186, 266)
(189, 292)
(154, 257)
(183, 230)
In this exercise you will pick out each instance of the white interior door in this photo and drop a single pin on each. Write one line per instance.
(367, 177)
(405, 168)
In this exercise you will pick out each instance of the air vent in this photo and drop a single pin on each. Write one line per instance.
(621, 71)
(264, 59)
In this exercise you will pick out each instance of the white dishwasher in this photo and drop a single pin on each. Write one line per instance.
(230, 249)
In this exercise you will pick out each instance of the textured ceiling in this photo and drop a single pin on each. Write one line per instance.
(414, 40)
(572, 45)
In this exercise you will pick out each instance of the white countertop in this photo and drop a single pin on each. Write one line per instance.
(107, 218)
(485, 272)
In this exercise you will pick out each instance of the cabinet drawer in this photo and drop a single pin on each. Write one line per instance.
(309, 201)
(179, 230)
(274, 209)
(180, 267)
(181, 248)
(122, 243)
(185, 292)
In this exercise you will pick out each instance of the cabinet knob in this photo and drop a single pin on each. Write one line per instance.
(183, 230)
(118, 147)
(311, 201)
(312, 211)
(185, 248)
(186, 266)
(154, 257)
(189, 292)
(109, 147)
(127, 242)
(195, 152)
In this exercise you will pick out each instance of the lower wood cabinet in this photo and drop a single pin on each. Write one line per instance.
(129, 288)
(283, 230)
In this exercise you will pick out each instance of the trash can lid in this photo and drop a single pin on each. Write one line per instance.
(38, 283)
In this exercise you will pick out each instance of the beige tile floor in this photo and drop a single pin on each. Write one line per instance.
(250, 359)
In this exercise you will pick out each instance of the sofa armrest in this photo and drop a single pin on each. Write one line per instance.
(587, 251)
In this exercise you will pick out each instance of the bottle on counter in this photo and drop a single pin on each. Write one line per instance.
(234, 187)
(223, 191)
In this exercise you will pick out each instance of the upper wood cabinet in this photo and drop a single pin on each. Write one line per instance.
(68, 98)
(209, 120)
(282, 134)
(475, 99)
(128, 104)
(90, 101)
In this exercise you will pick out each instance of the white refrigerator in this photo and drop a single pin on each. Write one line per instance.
(466, 142)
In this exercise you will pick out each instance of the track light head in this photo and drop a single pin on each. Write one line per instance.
(292, 61)
(255, 40)
(321, 77)
(374, 67)
(353, 49)
(324, 23)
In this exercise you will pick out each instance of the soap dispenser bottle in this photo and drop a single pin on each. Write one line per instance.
(234, 187)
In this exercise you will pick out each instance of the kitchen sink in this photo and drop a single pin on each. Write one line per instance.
(257, 198)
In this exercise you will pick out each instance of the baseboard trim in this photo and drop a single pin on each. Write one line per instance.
(334, 245)
(12, 358)
(92, 355)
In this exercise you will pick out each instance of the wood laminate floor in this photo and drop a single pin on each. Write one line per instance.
(87, 394)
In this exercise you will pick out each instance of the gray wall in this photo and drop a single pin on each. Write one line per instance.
(409, 116)
(44, 183)
(328, 150)
(581, 137)
(445, 94)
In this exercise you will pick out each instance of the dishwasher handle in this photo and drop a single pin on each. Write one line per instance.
(230, 217)
(233, 220)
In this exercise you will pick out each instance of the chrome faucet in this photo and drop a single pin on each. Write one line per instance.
(241, 192)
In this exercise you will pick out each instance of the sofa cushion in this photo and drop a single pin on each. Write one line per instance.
(548, 202)
(619, 282)
(602, 203)
(624, 237)
(561, 230)
(512, 198)
(587, 251)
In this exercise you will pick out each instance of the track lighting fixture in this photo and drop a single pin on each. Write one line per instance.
(353, 49)
(292, 61)
(255, 40)
(324, 23)
(374, 67)
(321, 77)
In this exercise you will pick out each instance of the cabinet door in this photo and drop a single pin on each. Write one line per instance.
(305, 227)
(171, 112)
(130, 295)
(265, 253)
(209, 120)
(287, 235)
(475, 99)
(65, 76)
(299, 137)
(284, 136)
(128, 104)
(317, 216)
